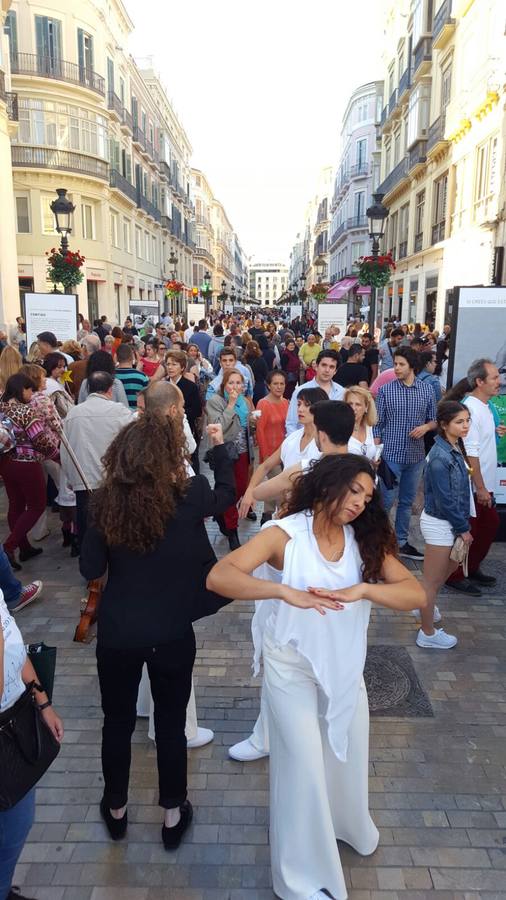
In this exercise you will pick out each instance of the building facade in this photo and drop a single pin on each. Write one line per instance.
(355, 178)
(268, 282)
(9, 305)
(442, 154)
(93, 122)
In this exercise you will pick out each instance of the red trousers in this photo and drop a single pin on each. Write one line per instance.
(25, 486)
(241, 468)
(483, 528)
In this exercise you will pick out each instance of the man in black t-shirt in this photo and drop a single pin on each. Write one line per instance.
(371, 357)
(353, 371)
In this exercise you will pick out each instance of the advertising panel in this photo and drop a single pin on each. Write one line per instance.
(51, 312)
(332, 314)
(196, 311)
(142, 310)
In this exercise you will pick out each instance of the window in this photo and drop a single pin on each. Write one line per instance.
(11, 30)
(48, 44)
(393, 234)
(110, 75)
(48, 222)
(127, 236)
(446, 86)
(114, 222)
(138, 242)
(23, 215)
(61, 125)
(358, 207)
(403, 230)
(388, 151)
(418, 113)
(146, 246)
(357, 250)
(397, 147)
(361, 153)
(439, 208)
(153, 250)
(88, 221)
(419, 217)
(84, 51)
(486, 177)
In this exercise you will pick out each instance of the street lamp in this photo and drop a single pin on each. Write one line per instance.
(377, 215)
(173, 261)
(62, 209)
(320, 266)
(233, 296)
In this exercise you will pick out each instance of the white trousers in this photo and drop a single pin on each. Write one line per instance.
(314, 798)
(145, 707)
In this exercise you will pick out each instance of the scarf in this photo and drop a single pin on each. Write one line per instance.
(241, 408)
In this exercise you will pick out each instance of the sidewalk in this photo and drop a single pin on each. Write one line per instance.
(438, 786)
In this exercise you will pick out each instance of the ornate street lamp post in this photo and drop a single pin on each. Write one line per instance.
(377, 215)
(62, 209)
(206, 289)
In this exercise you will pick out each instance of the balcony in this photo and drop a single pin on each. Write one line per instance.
(438, 233)
(395, 178)
(148, 148)
(11, 102)
(404, 85)
(176, 230)
(392, 103)
(384, 116)
(138, 137)
(57, 69)
(417, 156)
(360, 170)
(436, 137)
(115, 105)
(166, 223)
(202, 253)
(337, 233)
(63, 160)
(422, 58)
(148, 207)
(356, 222)
(164, 170)
(127, 122)
(118, 182)
(443, 25)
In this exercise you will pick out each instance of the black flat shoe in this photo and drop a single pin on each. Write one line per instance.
(220, 521)
(29, 552)
(172, 837)
(233, 539)
(14, 894)
(12, 562)
(481, 578)
(74, 546)
(67, 537)
(252, 516)
(116, 827)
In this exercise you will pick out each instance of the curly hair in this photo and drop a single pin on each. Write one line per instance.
(326, 484)
(145, 474)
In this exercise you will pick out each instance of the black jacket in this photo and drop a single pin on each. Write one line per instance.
(192, 401)
(152, 599)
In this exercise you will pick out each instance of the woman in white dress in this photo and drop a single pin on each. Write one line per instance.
(364, 407)
(335, 541)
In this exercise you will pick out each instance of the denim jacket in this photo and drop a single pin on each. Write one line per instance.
(447, 488)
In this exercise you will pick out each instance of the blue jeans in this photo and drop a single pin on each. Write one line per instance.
(10, 585)
(15, 824)
(408, 476)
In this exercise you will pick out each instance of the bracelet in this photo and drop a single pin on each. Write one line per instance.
(38, 687)
(44, 705)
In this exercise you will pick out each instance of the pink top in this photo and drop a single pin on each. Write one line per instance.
(383, 378)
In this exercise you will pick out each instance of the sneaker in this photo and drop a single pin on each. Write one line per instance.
(464, 586)
(28, 595)
(437, 641)
(437, 615)
(410, 552)
(245, 751)
(204, 736)
(481, 578)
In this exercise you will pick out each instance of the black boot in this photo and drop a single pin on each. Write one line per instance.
(220, 521)
(29, 552)
(67, 537)
(233, 539)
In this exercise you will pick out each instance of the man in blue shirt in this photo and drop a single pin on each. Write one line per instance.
(406, 412)
(326, 367)
(228, 360)
(201, 338)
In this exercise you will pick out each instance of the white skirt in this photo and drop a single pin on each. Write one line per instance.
(437, 532)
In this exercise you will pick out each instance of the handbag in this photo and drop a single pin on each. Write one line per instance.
(387, 476)
(27, 749)
(460, 553)
(43, 660)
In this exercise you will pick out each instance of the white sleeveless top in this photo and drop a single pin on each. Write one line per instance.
(14, 658)
(335, 644)
(368, 448)
(291, 452)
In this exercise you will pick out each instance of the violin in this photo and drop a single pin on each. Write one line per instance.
(89, 613)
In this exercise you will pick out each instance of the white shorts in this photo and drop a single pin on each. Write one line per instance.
(437, 532)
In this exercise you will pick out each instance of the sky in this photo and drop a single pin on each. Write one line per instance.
(260, 89)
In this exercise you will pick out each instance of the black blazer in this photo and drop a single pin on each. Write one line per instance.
(192, 401)
(152, 599)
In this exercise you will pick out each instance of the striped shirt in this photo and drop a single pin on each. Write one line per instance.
(134, 382)
(401, 408)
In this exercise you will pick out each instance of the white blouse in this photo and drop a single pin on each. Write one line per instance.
(14, 658)
(291, 452)
(336, 644)
(363, 448)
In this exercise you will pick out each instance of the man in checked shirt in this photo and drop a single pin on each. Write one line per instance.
(406, 411)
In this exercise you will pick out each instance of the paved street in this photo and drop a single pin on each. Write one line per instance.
(438, 788)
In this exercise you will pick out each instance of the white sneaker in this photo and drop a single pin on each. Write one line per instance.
(437, 641)
(204, 736)
(245, 751)
(319, 896)
(437, 615)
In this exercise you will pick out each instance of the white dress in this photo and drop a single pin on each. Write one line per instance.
(317, 711)
(291, 452)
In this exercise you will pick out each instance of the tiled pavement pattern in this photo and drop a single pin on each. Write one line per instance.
(438, 787)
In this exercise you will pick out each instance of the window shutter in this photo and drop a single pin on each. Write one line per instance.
(80, 48)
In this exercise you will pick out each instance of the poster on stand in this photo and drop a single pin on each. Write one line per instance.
(142, 310)
(479, 330)
(196, 312)
(295, 311)
(332, 314)
(51, 312)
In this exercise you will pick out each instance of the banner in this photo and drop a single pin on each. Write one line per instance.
(295, 311)
(51, 312)
(332, 314)
(140, 310)
(479, 330)
(196, 312)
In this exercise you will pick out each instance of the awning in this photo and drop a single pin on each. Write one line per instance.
(364, 289)
(337, 291)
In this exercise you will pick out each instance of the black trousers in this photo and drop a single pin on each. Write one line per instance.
(119, 673)
(82, 503)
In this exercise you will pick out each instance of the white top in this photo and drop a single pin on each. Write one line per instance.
(335, 644)
(481, 440)
(368, 448)
(14, 658)
(291, 452)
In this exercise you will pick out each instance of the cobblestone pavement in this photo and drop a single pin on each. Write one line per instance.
(438, 787)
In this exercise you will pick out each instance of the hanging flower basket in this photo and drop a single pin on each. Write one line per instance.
(173, 288)
(375, 271)
(319, 291)
(64, 268)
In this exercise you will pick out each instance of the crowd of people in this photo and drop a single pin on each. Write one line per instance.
(328, 432)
